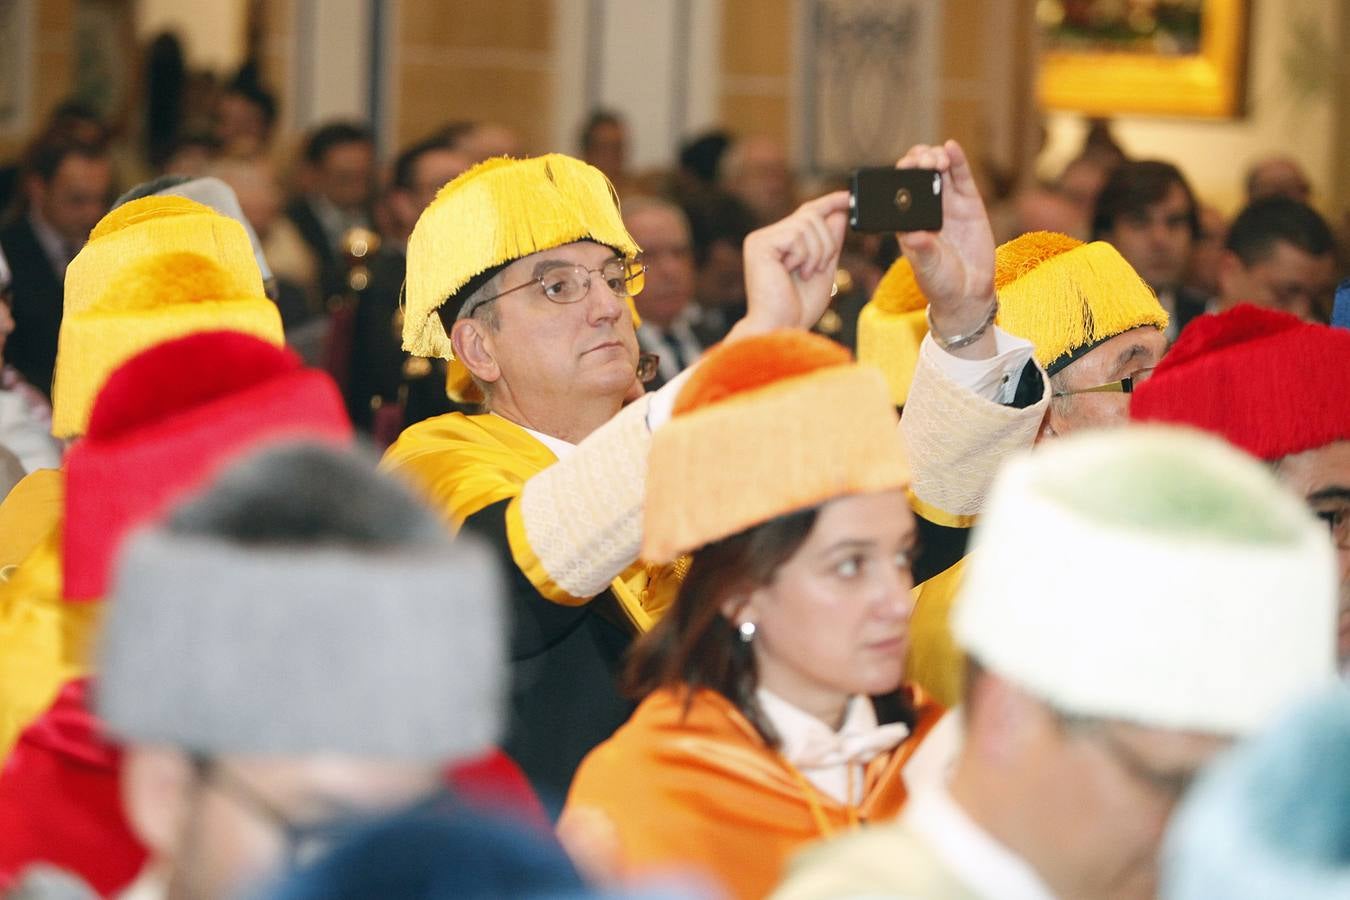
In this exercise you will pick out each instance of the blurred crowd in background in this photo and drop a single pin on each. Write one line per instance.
(333, 217)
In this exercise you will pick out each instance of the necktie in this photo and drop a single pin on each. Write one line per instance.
(676, 350)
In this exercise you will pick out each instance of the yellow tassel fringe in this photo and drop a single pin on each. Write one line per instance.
(1062, 295)
(499, 211)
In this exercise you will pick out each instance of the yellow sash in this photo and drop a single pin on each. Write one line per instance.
(28, 513)
(463, 464)
(934, 661)
(44, 641)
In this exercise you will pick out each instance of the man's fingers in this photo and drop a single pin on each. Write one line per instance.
(963, 178)
(793, 253)
(833, 226)
(836, 223)
(920, 248)
(811, 247)
(824, 243)
(824, 205)
(931, 158)
(912, 156)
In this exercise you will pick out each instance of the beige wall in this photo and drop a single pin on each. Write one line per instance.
(456, 59)
(278, 59)
(474, 59)
(53, 65)
(1215, 154)
(212, 33)
(1340, 157)
(984, 85)
(757, 45)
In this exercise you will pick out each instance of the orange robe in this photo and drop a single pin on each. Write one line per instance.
(701, 792)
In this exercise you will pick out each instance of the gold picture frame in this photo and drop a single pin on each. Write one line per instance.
(1207, 84)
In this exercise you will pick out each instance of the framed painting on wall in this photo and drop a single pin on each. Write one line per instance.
(1143, 57)
(868, 80)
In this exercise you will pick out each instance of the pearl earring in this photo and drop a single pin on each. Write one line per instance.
(747, 631)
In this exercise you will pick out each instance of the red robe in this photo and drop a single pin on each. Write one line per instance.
(60, 797)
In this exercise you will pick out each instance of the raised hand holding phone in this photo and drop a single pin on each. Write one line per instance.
(954, 266)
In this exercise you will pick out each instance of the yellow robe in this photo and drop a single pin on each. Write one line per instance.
(44, 640)
(464, 464)
(698, 790)
(934, 660)
(27, 515)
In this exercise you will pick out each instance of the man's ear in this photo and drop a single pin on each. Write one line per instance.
(473, 343)
(156, 790)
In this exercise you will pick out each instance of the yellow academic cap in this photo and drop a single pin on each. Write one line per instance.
(1066, 297)
(495, 213)
(892, 326)
(153, 299)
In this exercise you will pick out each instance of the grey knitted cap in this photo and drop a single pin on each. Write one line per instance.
(306, 604)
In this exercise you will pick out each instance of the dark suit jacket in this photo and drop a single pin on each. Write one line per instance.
(378, 358)
(1189, 305)
(332, 270)
(377, 354)
(565, 667)
(38, 298)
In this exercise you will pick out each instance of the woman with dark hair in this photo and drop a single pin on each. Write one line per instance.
(773, 713)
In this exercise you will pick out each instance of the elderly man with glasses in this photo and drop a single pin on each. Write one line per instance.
(1039, 338)
(521, 274)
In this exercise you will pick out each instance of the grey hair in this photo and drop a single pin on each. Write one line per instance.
(306, 494)
(484, 312)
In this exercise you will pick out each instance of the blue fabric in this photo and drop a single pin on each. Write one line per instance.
(1340, 313)
(434, 852)
(1270, 819)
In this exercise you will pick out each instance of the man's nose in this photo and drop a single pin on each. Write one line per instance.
(603, 304)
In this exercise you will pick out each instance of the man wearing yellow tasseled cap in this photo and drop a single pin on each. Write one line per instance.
(964, 333)
(521, 273)
(154, 269)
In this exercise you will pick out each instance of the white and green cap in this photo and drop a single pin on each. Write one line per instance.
(1155, 575)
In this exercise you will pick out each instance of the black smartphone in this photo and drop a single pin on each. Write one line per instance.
(895, 200)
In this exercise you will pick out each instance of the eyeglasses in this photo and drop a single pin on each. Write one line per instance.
(567, 284)
(648, 364)
(1125, 385)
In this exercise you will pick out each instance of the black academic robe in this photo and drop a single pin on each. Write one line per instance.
(38, 301)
